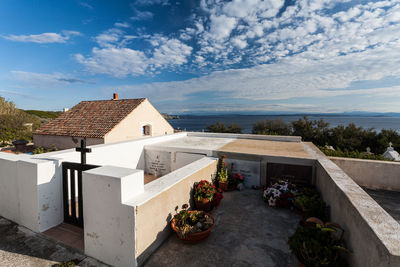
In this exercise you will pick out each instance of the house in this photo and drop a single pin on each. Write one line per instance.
(103, 122)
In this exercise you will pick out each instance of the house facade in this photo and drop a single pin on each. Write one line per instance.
(103, 122)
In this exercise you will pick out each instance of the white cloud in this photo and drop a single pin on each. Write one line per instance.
(141, 15)
(118, 62)
(114, 58)
(43, 38)
(42, 80)
(122, 24)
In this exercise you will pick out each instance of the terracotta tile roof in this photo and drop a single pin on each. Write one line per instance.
(90, 118)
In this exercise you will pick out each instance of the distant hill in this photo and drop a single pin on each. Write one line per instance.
(15, 123)
(44, 114)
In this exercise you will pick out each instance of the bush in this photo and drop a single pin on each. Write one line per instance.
(221, 128)
(351, 154)
(272, 127)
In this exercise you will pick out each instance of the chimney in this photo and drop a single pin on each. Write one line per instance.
(115, 96)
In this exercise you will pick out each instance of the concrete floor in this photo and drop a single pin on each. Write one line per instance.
(22, 247)
(389, 201)
(247, 233)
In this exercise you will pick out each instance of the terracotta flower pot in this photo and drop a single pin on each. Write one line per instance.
(223, 185)
(194, 237)
(204, 204)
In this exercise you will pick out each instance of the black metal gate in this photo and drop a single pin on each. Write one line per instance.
(72, 191)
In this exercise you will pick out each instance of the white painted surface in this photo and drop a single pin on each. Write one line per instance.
(181, 159)
(249, 169)
(157, 163)
(248, 136)
(29, 192)
(164, 183)
(192, 144)
(108, 223)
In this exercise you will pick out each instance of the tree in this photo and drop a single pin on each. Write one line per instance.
(272, 127)
(221, 128)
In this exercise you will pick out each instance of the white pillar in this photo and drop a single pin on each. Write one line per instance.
(109, 225)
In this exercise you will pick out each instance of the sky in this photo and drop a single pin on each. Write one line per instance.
(202, 57)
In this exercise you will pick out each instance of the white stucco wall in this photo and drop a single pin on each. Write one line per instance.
(29, 192)
(374, 174)
(108, 223)
(131, 127)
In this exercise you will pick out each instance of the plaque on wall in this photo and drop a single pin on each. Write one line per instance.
(157, 163)
(249, 169)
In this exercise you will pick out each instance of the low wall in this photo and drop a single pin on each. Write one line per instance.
(372, 235)
(109, 224)
(30, 193)
(280, 138)
(374, 174)
(160, 202)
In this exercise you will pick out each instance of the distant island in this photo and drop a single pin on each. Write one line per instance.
(170, 117)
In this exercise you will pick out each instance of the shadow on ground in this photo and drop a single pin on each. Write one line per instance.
(22, 247)
(247, 233)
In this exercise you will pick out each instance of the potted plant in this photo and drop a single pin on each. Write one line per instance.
(237, 179)
(222, 174)
(311, 205)
(204, 193)
(280, 194)
(192, 226)
(318, 243)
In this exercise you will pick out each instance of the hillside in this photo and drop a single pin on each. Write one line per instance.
(15, 123)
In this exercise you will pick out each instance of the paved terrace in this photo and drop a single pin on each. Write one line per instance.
(247, 233)
(22, 247)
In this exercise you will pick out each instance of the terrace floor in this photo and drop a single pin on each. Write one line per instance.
(389, 201)
(247, 233)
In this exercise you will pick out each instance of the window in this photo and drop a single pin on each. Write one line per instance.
(146, 130)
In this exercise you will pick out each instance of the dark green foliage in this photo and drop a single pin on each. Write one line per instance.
(312, 206)
(44, 114)
(347, 140)
(221, 128)
(41, 150)
(272, 127)
(12, 122)
(351, 154)
(318, 244)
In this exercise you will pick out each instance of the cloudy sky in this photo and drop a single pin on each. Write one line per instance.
(208, 56)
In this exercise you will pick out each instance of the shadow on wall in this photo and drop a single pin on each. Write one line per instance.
(165, 233)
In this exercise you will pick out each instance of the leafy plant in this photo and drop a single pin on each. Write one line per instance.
(312, 206)
(221, 128)
(204, 190)
(41, 150)
(222, 174)
(187, 222)
(318, 244)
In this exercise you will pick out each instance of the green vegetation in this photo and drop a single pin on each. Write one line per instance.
(44, 114)
(41, 150)
(221, 128)
(350, 154)
(347, 141)
(13, 123)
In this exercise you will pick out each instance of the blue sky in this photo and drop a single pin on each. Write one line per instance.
(209, 56)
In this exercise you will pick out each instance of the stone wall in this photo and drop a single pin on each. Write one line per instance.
(371, 234)
(373, 174)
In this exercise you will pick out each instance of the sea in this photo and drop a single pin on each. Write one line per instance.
(197, 123)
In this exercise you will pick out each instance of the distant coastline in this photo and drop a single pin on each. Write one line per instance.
(377, 121)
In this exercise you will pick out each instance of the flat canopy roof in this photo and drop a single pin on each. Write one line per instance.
(233, 145)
